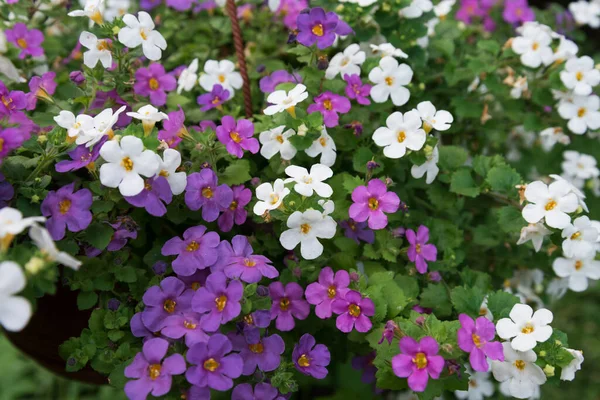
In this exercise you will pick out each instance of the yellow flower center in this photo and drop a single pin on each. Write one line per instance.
(154, 371)
(476, 340)
(192, 246)
(221, 78)
(305, 228)
(519, 364)
(473, 383)
(331, 292)
(1, 144)
(420, 360)
(527, 329)
(389, 81)
(248, 319)
(207, 192)
(279, 138)
(153, 83)
(482, 311)
(373, 203)
(22, 43)
(304, 361)
(169, 306)
(216, 100)
(257, 348)
(189, 324)
(323, 141)
(273, 199)
(211, 365)
(127, 163)
(64, 206)
(235, 137)
(401, 136)
(581, 112)
(143, 34)
(248, 262)
(418, 247)
(7, 101)
(354, 310)
(578, 265)
(284, 304)
(164, 173)
(550, 205)
(327, 105)
(318, 30)
(221, 302)
(579, 75)
(535, 46)
(102, 45)
(576, 235)
(196, 285)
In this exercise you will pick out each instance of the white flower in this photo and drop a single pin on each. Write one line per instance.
(484, 310)
(550, 136)
(518, 87)
(402, 132)
(566, 50)
(92, 9)
(526, 327)
(580, 75)
(306, 228)
(167, 168)
(579, 166)
(557, 288)
(430, 167)
(188, 77)
(348, 62)
(527, 282)
(274, 5)
(98, 50)
(12, 223)
(282, 101)
(574, 189)
(438, 120)
(307, 182)
(578, 270)
(520, 371)
(140, 31)
(270, 196)
(388, 50)
(15, 311)
(126, 161)
(582, 113)
(568, 372)
(416, 9)
(389, 79)
(149, 115)
(220, 73)
(116, 8)
(443, 8)
(535, 233)
(585, 13)
(328, 206)
(277, 141)
(42, 239)
(74, 125)
(534, 46)
(361, 3)
(480, 386)
(552, 202)
(103, 124)
(324, 146)
(580, 238)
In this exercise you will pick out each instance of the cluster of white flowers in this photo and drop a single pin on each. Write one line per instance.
(86, 129)
(586, 12)
(99, 11)
(440, 10)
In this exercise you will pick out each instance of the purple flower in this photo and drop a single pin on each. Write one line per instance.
(310, 359)
(197, 250)
(357, 231)
(418, 361)
(220, 301)
(371, 202)
(170, 298)
(356, 90)
(269, 83)
(365, 363)
(238, 261)
(288, 303)
(77, 77)
(290, 9)
(213, 367)
(111, 99)
(81, 157)
(265, 354)
(125, 229)
(40, 87)
(156, 192)
(11, 100)
(476, 337)
(420, 251)
(180, 5)
(185, 325)
(354, 311)
(67, 209)
(235, 213)
(517, 11)
(173, 128)
(149, 4)
(262, 391)
(469, 9)
(196, 280)
(138, 329)
(388, 332)
(29, 41)
(202, 191)
(6, 191)
(152, 373)
(330, 104)
(16, 134)
(329, 288)
(321, 28)
(214, 99)
(252, 323)
(154, 82)
(237, 136)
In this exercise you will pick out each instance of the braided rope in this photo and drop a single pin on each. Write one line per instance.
(239, 50)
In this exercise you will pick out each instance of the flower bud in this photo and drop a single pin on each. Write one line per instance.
(354, 277)
(77, 77)
(159, 267)
(255, 181)
(113, 304)
(420, 321)
(262, 291)
(447, 347)
(322, 63)
(302, 130)
(549, 370)
(435, 276)
(34, 265)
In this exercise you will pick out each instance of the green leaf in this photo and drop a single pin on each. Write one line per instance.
(490, 46)
(462, 183)
(99, 235)
(301, 142)
(452, 157)
(503, 179)
(436, 297)
(409, 285)
(236, 173)
(126, 274)
(102, 206)
(352, 182)
(86, 300)
(395, 299)
(500, 303)
(444, 46)
(510, 219)
(467, 300)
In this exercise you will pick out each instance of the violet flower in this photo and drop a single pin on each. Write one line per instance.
(185, 325)
(517, 12)
(179, 5)
(153, 197)
(196, 280)
(357, 90)
(235, 213)
(125, 229)
(213, 365)
(6, 191)
(202, 191)
(219, 301)
(197, 250)
(81, 156)
(420, 251)
(40, 87)
(388, 332)
(154, 82)
(371, 202)
(111, 99)
(138, 329)
(28, 41)
(154, 375)
(476, 337)
(251, 324)
(321, 28)
(265, 354)
(329, 288)
(329, 105)
(357, 231)
(290, 9)
(262, 391)
(173, 128)
(214, 99)
(67, 209)
(237, 136)
(11, 139)
(470, 9)
(11, 100)
(268, 83)
(365, 363)
(170, 298)
(354, 312)
(418, 361)
(310, 359)
(288, 303)
(238, 261)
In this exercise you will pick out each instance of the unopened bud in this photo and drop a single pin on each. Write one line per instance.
(549, 370)
(34, 265)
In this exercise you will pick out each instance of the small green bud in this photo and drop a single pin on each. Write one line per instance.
(549, 370)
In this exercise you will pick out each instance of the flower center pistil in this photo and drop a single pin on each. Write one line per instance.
(221, 78)
(221, 302)
(284, 304)
(305, 228)
(550, 205)
(373, 203)
(476, 340)
(64, 206)
(520, 365)
(257, 348)
(143, 34)
(189, 324)
(581, 112)
(579, 75)
(154, 371)
(331, 292)
(304, 361)
(401, 136)
(169, 306)
(211, 365)
(576, 235)
(22, 43)
(153, 83)
(527, 329)
(389, 81)
(127, 163)
(207, 192)
(192, 246)
(420, 360)
(318, 30)
(235, 137)
(354, 310)
(248, 262)
(578, 265)
(327, 105)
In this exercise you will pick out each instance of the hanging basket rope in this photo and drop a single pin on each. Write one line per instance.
(238, 41)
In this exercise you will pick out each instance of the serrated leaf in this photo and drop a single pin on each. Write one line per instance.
(503, 179)
(452, 157)
(99, 235)
(467, 300)
(435, 296)
(236, 173)
(510, 219)
(462, 183)
(86, 300)
(500, 303)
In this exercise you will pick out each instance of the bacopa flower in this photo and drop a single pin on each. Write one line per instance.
(252, 323)
(98, 50)
(580, 238)
(214, 99)
(476, 337)
(433, 119)
(149, 116)
(218, 301)
(309, 182)
(356, 90)
(357, 231)
(526, 327)
(325, 146)
(268, 83)
(185, 325)
(29, 41)
(170, 298)
(329, 105)
(582, 113)
(326, 290)
(389, 79)
(416, 9)
(270, 196)
(41, 87)
(16, 310)
(401, 133)
(66, 208)
(320, 27)
(517, 11)
(346, 63)
(152, 373)
(173, 128)
(237, 136)
(11, 100)
(418, 361)
(42, 239)
(580, 75)
(123, 232)
(354, 312)
(420, 251)
(236, 212)
(265, 354)
(140, 31)
(577, 270)
(535, 233)
(281, 100)
(214, 365)
(568, 372)
(6, 192)
(188, 77)
(305, 228)
(220, 73)
(371, 202)
(288, 303)
(203, 191)
(92, 9)
(533, 46)
(277, 141)
(552, 203)
(520, 370)
(238, 261)
(262, 391)
(74, 125)
(196, 251)
(310, 358)
(154, 197)
(387, 50)
(154, 82)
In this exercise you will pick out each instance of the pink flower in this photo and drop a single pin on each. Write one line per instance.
(371, 202)
(288, 303)
(237, 136)
(354, 311)
(420, 250)
(329, 288)
(330, 104)
(28, 41)
(154, 82)
(418, 361)
(475, 337)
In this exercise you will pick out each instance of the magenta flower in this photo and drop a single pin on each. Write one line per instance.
(12, 137)
(214, 99)
(28, 41)
(170, 298)
(262, 391)
(517, 12)
(371, 202)
(213, 365)
(154, 82)
(418, 361)
(81, 156)
(288, 303)
(475, 337)
(219, 302)
(11, 100)
(357, 90)
(252, 323)
(290, 9)
(197, 250)
(420, 251)
(235, 213)
(67, 209)
(173, 128)
(40, 87)
(310, 359)
(202, 191)
(330, 104)
(185, 325)
(237, 136)
(321, 28)
(6, 191)
(269, 83)
(196, 280)
(329, 288)
(237, 261)
(388, 332)
(265, 354)
(470, 9)
(152, 373)
(153, 197)
(179, 5)
(354, 311)
(357, 231)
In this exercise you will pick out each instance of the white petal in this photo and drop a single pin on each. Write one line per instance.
(12, 278)
(15, 313)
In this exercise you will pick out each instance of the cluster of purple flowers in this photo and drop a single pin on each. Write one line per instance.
(515, 12)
